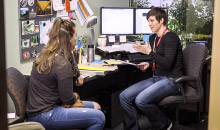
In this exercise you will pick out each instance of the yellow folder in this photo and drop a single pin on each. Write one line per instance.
(91, 68)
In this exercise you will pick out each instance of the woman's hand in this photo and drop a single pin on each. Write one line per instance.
(146, 49)
(76, 95)
(79, 81)
(144, 66)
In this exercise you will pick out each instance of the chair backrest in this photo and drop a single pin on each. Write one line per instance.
(194, 56)
(17, 89)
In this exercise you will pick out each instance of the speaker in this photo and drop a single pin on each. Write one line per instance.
(111, 107)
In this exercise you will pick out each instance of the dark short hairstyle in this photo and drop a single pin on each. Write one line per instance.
(159, 13)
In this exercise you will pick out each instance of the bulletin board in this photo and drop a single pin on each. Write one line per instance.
(33, 18)
(36, 16)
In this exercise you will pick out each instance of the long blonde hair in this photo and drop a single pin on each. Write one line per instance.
(59, 43)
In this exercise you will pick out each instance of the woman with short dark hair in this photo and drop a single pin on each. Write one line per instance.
(166, 51)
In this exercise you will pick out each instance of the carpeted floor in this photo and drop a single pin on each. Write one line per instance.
(187, 121)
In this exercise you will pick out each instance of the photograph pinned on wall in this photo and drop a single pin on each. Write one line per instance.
(58, 5)
(25, 43)
(34, 41)
(28, 27)
(44, 7)
(37, 29)
(45, 34)
(26, 55)
(24, 13)
(30, 2)
(42, 26)
(32, 14)
(23, 3)
(33, 53)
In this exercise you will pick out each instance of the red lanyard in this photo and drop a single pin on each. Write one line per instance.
(155, 47)
(158, 42)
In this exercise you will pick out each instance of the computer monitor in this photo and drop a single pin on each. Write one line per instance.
(141, 23)
(117, 21)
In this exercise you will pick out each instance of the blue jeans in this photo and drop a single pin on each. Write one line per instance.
(145, 96)
(71, 118)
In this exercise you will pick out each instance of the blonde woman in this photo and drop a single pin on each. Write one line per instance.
(53, 76)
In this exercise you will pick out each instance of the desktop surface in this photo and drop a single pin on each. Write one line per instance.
(124, 51)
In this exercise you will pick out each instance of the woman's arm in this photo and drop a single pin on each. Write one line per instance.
(64, 76)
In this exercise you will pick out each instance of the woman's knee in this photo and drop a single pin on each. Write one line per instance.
(122, 96)
(96, 105)
(140, 103)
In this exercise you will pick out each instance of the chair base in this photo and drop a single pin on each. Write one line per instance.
(181, 127)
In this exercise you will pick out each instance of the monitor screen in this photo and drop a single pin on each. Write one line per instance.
(141, 23)
(142, 26)
(117, 21)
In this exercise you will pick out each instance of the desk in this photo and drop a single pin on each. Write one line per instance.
(106, 89)
(124, 76)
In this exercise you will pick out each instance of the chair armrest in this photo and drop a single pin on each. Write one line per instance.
(14, 120)
(181, 80)
(184, 79)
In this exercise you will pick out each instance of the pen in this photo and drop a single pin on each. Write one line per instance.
(110, 65)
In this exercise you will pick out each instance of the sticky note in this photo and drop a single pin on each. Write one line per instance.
(122, 38)
(111, 38)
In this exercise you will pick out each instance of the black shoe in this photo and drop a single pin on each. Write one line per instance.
(168, 126)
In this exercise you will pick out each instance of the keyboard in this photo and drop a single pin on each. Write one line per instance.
(138, 58)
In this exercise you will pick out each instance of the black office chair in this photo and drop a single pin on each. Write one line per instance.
(17, 89)
(194, 56)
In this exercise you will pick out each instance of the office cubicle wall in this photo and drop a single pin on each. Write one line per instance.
(214, 103)
(3, 99)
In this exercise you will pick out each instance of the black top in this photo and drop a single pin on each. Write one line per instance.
(48, 90)
(168, 56)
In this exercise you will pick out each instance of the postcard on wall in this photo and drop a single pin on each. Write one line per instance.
(42, 26)
(62, 13)
(32, 14)
(45, 34)
(24, 13)
(37, 29)
(33, 53)
(44, 7)
(26, 55)
(28, 27)
(30, 3)
(25, 43)
(23, 3)
(34, 41)
(58, 5)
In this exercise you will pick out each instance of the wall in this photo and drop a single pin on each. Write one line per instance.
(12, 30)
(214, 104)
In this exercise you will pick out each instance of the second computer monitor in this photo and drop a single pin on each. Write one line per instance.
(142, 25)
